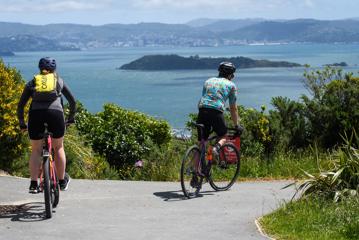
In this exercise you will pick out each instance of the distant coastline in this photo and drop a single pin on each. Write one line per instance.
(176, 62)
(6, 54)
(341, 64)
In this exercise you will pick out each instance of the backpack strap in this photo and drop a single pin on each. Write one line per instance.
(59, 85)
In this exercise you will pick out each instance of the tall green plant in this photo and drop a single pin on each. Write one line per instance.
(340, 181)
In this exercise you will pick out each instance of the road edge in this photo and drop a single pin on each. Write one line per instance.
(261, 230)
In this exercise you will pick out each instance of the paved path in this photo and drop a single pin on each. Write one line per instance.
(137, 210)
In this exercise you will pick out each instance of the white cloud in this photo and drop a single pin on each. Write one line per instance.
(221, 6)
(192, 4)
(51, 6)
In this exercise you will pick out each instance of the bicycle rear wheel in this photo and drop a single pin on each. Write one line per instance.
(55, 188)
(225, 168)
(191, 182)
(47, 188)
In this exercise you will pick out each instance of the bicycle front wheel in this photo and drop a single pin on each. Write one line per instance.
(191, 182)
(225, 168)
(47, 188)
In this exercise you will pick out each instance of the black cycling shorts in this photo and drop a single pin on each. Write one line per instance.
(213, 120)
(54, 119)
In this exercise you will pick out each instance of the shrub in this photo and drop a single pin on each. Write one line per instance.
(288, 124)
(162, 163)
(122, 136)
(12, 142)
(340, 181)
(82, 162)
(333, 109)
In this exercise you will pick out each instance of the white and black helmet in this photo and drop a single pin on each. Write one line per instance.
(226, 68)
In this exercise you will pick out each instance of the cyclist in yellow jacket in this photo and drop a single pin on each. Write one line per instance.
(46, 90)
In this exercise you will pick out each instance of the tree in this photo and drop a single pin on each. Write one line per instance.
(12, 141)
(288, 123)
(333, 110)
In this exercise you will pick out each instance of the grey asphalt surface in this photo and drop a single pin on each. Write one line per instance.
(138, 210)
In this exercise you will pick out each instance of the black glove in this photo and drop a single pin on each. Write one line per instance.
(69, 121)
(23, 126)
(239, 130)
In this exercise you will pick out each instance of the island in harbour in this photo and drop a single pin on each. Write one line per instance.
(176, 62)
(6, 53)
(341, 64)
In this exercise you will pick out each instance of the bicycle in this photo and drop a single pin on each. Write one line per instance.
(49, 183)
(198, 164)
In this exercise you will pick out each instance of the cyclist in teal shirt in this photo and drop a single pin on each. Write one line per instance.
(216, 91)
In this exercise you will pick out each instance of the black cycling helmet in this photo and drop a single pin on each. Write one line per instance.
(48, 64)
(226, 68)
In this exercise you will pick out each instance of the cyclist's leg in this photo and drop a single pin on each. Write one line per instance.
(60, 157)
(204, 118)
(36, 130)
(35, 159)
(56, 125)
(219, 127)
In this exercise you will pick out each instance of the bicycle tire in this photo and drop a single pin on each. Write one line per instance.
(191, 182)
(223, 173)
(55, 189)
(47, 188)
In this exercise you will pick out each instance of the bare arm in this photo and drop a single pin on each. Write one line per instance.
(25, 96)
(70, 98)
(234, 114)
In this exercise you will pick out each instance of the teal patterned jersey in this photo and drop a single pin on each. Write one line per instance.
(215, 93)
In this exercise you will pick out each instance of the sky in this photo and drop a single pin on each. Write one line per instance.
(99, 12)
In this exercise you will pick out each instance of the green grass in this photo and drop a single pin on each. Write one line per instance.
(287, 165)
(314, 219)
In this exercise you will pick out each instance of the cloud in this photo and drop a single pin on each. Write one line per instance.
(190, 3)
(51, 6)
(309, 3)
(221, 6)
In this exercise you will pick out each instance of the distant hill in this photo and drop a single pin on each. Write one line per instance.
(200, 32)
(31, 43)
(175, 62)
(301, 30)
(200, 22)
(6, 53)
(228, 24)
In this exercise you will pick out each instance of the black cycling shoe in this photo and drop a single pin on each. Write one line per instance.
(34, 187)
(64, 183)
(194, 181)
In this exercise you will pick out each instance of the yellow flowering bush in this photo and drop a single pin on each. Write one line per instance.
(12, 142)
(263, 127)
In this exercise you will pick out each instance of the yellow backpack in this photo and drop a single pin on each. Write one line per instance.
(45, 88)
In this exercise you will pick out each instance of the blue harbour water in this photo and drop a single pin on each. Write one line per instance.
(172, 95)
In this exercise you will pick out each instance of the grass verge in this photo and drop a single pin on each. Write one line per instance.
(314, 219)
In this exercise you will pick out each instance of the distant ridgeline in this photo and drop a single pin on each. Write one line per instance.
(22, 43)
(6, 53)
(175, 62)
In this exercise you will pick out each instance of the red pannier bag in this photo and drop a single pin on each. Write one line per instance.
(230, 155)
